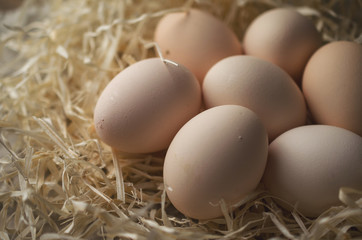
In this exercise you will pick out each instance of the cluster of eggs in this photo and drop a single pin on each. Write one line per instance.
(232, 115)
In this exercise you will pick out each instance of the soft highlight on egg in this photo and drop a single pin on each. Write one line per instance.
(195, 39)
(332, 85)
(308, 165)
(219, 155)
(260, 86)
(145, 105)
(284, 37)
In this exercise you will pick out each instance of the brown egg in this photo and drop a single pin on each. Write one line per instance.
(145, 105)
(283, 37)
(332, 85)
(260, 86)
(195, 39)
(220, 154)
(308, 165)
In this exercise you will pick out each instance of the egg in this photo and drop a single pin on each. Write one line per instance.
(195, 39)
(308, 165)
(332, 85)
(260, 86)
(283, 37)
(219, 155)
(145, 105)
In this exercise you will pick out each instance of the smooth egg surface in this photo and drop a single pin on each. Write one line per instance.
(332, 85)
(260, 86)
(283, 37)
(144, 106)
(195, 39)
(308, 165)
(220, 154)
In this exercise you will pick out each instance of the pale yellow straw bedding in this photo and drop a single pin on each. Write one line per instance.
(58, 181)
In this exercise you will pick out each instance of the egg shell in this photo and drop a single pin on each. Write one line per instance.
(308, 165)
(332, 85)
(219, 154)
(260, 86)
(145, 105)
(283, 37)
(195, 39)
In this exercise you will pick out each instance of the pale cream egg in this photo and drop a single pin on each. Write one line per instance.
(195, 39)
(144, 106)
(219, 155)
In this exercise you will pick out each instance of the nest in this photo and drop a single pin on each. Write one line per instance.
(59, 181)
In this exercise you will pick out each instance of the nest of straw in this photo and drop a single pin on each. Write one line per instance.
(59, 181)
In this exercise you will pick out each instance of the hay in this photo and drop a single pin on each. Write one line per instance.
(58, 181)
